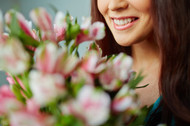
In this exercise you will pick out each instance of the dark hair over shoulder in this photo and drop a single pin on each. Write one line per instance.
(172, 27)
(108, 44)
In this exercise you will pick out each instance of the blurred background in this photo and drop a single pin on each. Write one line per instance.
(77, 8)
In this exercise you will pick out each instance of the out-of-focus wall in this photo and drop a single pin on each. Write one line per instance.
(77, 8)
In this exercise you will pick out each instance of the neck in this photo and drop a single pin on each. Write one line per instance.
(145, 54)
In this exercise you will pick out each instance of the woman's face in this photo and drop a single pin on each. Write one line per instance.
(129, 20)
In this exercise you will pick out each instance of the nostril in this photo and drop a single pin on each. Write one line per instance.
(118, 5)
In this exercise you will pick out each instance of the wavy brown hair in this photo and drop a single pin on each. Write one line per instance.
(172, 27)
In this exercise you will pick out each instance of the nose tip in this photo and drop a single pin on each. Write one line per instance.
(118, 4)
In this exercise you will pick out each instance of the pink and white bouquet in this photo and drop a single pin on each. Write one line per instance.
(50, 85)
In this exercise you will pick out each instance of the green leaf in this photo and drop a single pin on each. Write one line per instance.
(25, 80)
(76, 22)
(135, 81)
(111, 57)
(69, 120)
(14, 25)
(17, 92)
(142, 86)
(77, 52)
(77, 87)
(28, 40)
(4, 121)
(75, 30)
(68, 18)
(72, 48)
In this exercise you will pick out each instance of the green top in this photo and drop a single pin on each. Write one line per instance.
(154, 109)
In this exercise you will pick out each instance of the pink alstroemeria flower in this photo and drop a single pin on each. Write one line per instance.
(8, 100)
(92, 63)
(24, 118)
(68, 65)
(42, 19)
(81, 76)
(60, 32)
(92, 106)
(89, 32)
(94, 46)
(46, 87)
(94, 103)
(123, 66)
(25, 25)
(34, 34)
(97, 31)
(117, 73)
(52, 59)
(30, 116)
(60, 26)
(3, 38)
(46, 56)
(13, 57)
(125, 100)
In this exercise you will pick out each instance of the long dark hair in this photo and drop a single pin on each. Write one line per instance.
(172, 28)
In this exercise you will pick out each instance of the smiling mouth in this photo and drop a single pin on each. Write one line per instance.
(124, 23)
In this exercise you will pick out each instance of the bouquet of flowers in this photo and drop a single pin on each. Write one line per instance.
(50, 85)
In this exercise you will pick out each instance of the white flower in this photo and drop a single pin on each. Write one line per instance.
(91, 105)
(95, 105)
(81, 75)
(25, 118)
(46, 87)
(13, 57)
(24, 24)
(60, 26)
(60, 19)
(51, 59)
(46, 57)
(86, 22)
(123, 66)
(125, 99)
(117, 73)
(92, 62)
(97, 30)
(41, 18)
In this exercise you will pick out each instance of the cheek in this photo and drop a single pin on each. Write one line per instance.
(141, 5)
(102, 6)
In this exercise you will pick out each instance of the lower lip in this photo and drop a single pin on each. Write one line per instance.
(124, 27)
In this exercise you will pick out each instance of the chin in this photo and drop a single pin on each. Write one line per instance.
(126, 40)
(124, 43)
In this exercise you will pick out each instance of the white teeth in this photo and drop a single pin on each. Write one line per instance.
(123, 21)
(129, 20)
